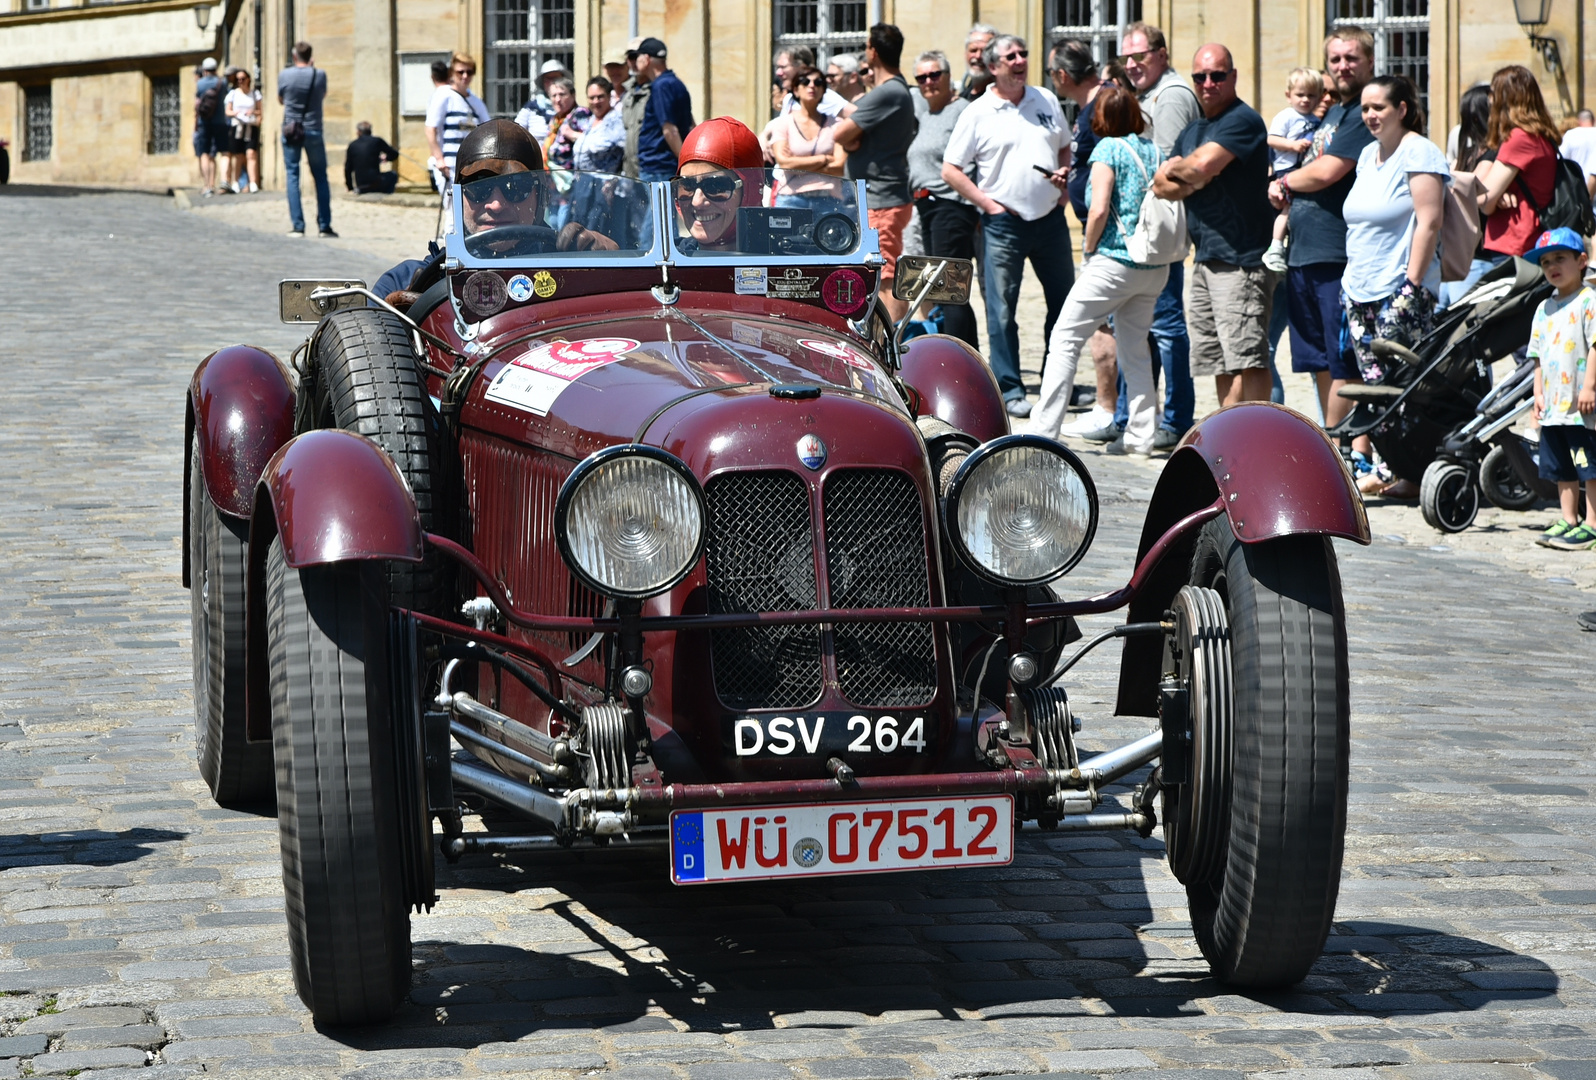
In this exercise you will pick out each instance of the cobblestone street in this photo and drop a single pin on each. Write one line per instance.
(142, 929)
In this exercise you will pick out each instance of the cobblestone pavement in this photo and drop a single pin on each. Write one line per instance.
(141, 927)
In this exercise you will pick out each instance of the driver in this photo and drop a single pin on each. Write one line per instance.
(498, 150)
(707, 190)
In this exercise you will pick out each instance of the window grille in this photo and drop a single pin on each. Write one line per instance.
(1102, 22)
(39, 130)
(1401, 30)
(166, 115)
(523, 35)
(829, 27)
(38, 5)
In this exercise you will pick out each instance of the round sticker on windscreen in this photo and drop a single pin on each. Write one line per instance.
(844, 291)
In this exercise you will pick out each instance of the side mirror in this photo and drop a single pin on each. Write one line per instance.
(952, 284)
(297, 301)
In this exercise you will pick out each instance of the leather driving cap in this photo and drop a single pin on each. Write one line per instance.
(498, 140)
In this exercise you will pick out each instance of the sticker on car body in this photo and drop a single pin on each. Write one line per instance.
(536, 378)
(824, 734)
(762, 842)
(749, 280)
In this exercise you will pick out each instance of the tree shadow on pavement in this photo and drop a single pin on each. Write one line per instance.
(1069, 929)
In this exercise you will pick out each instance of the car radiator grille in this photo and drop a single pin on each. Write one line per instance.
(760, 557)
(875, 557)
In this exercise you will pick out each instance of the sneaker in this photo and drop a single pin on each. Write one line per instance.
(1559, 529)
(1586, 620)
(1119, 449)
(296, 232)
(253, 188)
(330, 235)
(1275, 258)
(1082, 396)
(1094, 420)
(1165, 438)
(1577, 538)
(1107, 433)
(1018, 407)
(207, 193)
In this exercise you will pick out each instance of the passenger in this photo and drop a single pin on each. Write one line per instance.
(708, 190)
(499, 148)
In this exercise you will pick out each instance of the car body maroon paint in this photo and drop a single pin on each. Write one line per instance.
(957, 385)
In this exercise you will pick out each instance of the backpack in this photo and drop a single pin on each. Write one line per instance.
(1460, 225)
(205, 106)
(1570, 205)
(1160, 235)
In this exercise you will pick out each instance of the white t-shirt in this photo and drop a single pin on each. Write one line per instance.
(1560, 340)
(1003, 141)
(246, 106)
(1290, 124)
(454, 117)
(1579, 144)
(1381, 222)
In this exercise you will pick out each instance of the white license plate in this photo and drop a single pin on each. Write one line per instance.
(750, 843)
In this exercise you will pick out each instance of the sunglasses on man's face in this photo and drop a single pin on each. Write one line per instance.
(517, 187)
(1009, 58)
(929, 77)
(715, 187)
(1137, 57)
(1215, 77)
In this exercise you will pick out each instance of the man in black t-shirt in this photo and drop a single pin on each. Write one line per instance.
(363, 163)
(1317, 254)
(1220, 169)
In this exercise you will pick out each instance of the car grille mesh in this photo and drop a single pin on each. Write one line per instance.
(760, 556)
(876, 557)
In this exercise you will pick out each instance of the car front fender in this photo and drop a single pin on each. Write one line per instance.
(956, 385)
(1278, 474)
(240, 408)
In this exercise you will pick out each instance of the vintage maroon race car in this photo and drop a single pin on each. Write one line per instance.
(674, 541)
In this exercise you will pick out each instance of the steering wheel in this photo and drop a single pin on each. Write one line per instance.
(510, 240)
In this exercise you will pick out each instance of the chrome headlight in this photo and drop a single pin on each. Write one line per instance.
(630, 521)
(1021, 510)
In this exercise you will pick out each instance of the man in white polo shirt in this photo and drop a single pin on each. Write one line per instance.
(1015, 137)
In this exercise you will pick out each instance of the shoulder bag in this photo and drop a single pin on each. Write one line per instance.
(1160, 236)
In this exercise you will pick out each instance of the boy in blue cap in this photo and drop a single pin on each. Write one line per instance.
(1563, 346)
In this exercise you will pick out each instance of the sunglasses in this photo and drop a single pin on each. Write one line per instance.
(1215, 77)
(1009, 58)
(517, 187)
(716, 188)
(468, 72)
(811, 80)
(1136, 57)
(929, 77)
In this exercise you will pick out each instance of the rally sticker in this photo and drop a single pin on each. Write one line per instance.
(749, 280)
(838, 351)
(520, 288)
(534, 379)
(844, 291)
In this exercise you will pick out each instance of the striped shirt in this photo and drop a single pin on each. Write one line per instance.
(454, 116)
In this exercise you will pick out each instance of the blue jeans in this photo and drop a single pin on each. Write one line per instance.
(316, 154)
(1278, 317)
(1169, 341)
(1008, 241)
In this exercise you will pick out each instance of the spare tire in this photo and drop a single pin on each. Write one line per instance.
(365, 378)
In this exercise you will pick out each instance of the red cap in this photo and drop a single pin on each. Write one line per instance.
(724, 142)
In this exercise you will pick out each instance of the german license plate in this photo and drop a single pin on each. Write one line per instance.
(758, 842)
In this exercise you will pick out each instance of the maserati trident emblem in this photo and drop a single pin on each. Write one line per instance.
(811, 451)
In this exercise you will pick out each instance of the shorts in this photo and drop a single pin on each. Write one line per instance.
(1568, 453)
(211, 140)
(1318, 321)
(249, 139)
(890, 223)
(1227, 318)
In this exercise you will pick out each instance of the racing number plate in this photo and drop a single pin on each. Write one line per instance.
(758, 842)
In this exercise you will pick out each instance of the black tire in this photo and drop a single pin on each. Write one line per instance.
(366, 380)
(1500, 482)
(1262, 917)
(238, 772)
(1449, 498)
(337, 800)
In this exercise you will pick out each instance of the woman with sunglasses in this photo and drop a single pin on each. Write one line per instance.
(716, 173)
(804, 147)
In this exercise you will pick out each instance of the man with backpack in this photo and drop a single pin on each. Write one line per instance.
(211, 130)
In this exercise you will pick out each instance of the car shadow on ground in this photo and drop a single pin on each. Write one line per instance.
(1070, 929)
(88, 847)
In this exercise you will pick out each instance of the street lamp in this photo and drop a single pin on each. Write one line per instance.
(202, 15)
(1533, 14)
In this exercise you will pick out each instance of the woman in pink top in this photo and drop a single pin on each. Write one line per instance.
(804, 147)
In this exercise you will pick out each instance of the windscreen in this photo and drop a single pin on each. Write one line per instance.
(763, 212)
(518, 214)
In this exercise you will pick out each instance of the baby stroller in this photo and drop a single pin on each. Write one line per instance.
(1436, 387)
(1484, 457)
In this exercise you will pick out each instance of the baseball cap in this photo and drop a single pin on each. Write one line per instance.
(652, 46)
(1563, 239)
(208, 64)
(631, 47)
(614, 55)
(551, 67)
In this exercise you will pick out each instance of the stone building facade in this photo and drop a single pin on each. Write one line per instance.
(89, 91)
